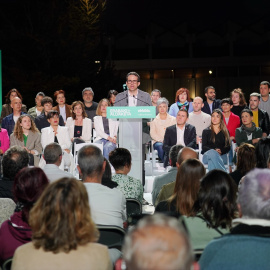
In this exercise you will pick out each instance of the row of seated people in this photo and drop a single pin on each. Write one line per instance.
(107, 194)
(205, 214)
(182, 99)
(80, 127)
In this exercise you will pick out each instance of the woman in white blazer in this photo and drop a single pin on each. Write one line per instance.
(26, 135)
(106, 129)
(60, 135)
(79, 126)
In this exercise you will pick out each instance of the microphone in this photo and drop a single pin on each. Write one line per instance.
(126, 97)
(142, 101)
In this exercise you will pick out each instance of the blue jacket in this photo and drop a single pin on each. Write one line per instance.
(216, 105)
(8, 123)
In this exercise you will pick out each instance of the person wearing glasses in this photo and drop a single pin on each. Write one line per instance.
(133, 96)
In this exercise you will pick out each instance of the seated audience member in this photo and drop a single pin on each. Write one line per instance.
(239, 101)
(216, 142)
(247, 244)
(111, 96)
(27, 136)
(107, 176)
(37, 110)
(264, 99)
(168, 177)
(262, 152)
(9, 121)
(53, 155)
(159, 125)
(232, 122)
(158, 242)
(108, 206)
(260, 117)
(213, 210)
(63, 233)
(4, 141)
(79, 126)
(14, 159)
(211, 102)
(181, 133)
(6, 108)
(198, 118)
(89, 104)
(186, 189)
(41, 120)
(155, 96)
(106, 129)
(57, 134)
(182, 101)
(120, 158)
(28, 185)
(246, 161)
(63, 108)
(248, 132)
(167, 190)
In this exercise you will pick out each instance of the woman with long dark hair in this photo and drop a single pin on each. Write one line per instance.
(29, 183)
(216, 142)
(186, 189)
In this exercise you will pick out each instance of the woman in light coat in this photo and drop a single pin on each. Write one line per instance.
(27, 136)
(159, 124)
(58, 134)
(106, 129)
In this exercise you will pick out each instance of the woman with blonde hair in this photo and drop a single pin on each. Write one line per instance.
(106, 129)
(26, 135)
(216, 142)
(63, 233)
(182, 101)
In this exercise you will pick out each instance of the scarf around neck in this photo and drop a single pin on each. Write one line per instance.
(183, 105)
(249, 130)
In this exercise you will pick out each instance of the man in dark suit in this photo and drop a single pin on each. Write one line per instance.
(211, 102)
(181, 133)
(9, 121)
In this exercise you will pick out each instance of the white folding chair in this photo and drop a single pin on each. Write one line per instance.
(78, 146)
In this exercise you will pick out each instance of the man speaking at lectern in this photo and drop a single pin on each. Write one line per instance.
(133, 96)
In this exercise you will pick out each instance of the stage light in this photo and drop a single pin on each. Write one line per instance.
(210, 71)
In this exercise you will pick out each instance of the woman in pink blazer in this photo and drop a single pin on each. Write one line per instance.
(4, 140)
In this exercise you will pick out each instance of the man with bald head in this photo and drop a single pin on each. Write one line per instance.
(167, 190)
(9, 121)
(198, 118)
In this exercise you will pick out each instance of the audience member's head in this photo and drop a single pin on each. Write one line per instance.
(253, 198)
(53, 154)
(262, 152)
(11, 94)
(157, 242)
(107, 176)
(187, 185)
(119, 158)
(78, 108)
(173, 154)
(217, 199)
(28, 185)
(14, 159)
(91, 163)
(61, 218)
(238, 97)
(185, 153)
(46, 100)
(246, 158)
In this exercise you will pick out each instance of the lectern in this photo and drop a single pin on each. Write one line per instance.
(131, 133)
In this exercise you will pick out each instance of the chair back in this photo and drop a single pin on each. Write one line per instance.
(78, 146)
(7, 207)
(7, 264)
(111, 236)
(134, 207)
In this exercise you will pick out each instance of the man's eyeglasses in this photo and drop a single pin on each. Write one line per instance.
(130, 81)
